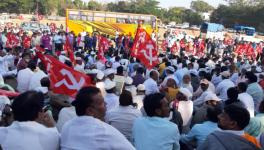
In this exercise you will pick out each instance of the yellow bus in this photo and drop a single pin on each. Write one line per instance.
(108, 22)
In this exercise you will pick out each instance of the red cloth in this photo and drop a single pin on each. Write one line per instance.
(145, 49)
(64, 79)
(69, 50)
(8, 93)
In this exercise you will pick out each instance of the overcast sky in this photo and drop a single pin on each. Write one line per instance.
(181, 3)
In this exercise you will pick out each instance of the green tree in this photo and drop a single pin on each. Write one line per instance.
(201, 6)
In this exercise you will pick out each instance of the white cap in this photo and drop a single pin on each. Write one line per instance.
(100, 75)
(186, 92)
(91, 71)
(4, 100)
(109, 84)
(211, 96)
(41, 89)
(225, 74)
(109, 71)
(78, 58)
(193, 71)
(141, 87)
(170, 68)
(92, 53)
(128, 80)
(258, 69)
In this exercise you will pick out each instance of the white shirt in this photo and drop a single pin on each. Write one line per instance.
(116, 65)
(222, 88)
(216, 79)
(112, 101)
(186, 110)
(23, 79)
(151, 86)
(35, 79)
(248, 102)
(66, 114)
(89, 133)
(200, 100)
(29, 135)
(101, 86)
(139, 100)
(122, 118)
(171, 76)
(124, 63)
(100, 65)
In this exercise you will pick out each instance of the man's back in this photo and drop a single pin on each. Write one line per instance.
(220, 140)
(154, 133)
(222, 88)
(88, 133)
(29, 135)
(23, 79)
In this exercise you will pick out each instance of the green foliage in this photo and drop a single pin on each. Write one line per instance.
(201, 6)
(244, 14)
(47, 7)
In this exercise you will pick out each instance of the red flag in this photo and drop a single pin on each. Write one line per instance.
(239, 50)
(164, 45)
(68, 49)
(103, 46)
(12, 40)
(145, 49)
(174, 48)
(259, 49)
(64, 79)
(250, 51)
(141, 37)
(26, 42)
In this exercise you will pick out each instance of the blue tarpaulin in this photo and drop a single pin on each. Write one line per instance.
(248, 30)
(212, 27)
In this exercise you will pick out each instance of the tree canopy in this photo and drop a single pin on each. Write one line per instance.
(201, 6)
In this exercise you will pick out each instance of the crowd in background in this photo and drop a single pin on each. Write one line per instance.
(202, 95)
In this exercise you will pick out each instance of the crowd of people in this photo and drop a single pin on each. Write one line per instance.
(188, 101)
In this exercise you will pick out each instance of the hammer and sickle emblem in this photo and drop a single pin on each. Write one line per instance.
(75, 85)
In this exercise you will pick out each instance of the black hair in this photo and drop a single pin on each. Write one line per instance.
(119, 70)
(212, 113)
(152, 102)
(32, 65)
(242, 86)
(232, 93)
(25, 54)
(117, 58)
(45, 82)
(68, 63)
(140, 70)
(151, 74)
(84, 99)
(167, 64)
(27, 106)
(125, 98)
(261, 107)
(238, 114)
(251, 77)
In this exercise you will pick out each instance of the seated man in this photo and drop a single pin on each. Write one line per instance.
(88, 131)
(199, 132)
(33, 128)
(232, 121)
(155, 132)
